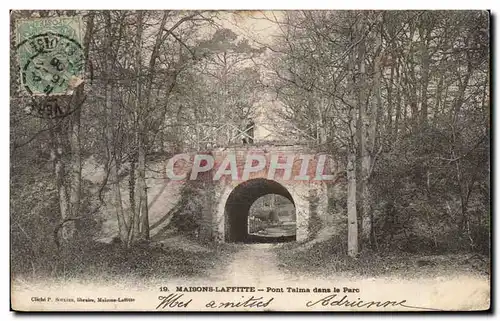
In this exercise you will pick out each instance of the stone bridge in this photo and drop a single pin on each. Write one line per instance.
(308, 179)
(317, 190)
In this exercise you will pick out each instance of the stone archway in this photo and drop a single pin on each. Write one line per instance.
(238, 205)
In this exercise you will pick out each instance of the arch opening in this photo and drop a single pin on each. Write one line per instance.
(277, 226)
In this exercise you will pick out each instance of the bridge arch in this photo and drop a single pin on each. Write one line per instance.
(238, 203)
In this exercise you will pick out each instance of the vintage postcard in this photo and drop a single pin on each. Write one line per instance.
(333, 160)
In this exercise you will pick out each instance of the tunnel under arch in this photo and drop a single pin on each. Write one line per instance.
(238, 206)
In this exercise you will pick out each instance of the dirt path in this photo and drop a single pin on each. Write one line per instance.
(257, 265)
(254, 264)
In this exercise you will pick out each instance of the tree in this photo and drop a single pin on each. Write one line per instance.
(385, 78)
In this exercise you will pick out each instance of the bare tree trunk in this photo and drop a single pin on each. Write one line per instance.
(142, 191)
(398, 104)
(459, 100)
(74, 132)
(134, 220)
(425, 73)
(364, 123)
(76, 159)
(116, 200)
(320, 127)
(352, 214)
(411, 82)
(135, 197)
(389, 128)
(370, 150)
(142, 203)
(439, 94)
(56, 155)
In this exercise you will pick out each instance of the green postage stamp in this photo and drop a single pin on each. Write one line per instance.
(50, 54)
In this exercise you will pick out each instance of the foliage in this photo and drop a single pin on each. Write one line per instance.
(401, 98)
(406, 93)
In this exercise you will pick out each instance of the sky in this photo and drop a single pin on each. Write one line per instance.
(257, 27)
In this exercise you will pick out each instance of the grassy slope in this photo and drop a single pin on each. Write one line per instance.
(101, 262)
(327, 258)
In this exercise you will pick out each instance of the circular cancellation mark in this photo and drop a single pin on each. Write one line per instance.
(52, 61)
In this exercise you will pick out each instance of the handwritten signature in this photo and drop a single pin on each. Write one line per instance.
(335, 301)
(177, 300)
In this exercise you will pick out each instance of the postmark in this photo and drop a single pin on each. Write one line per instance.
(55, 65)
(51, 57)
(49, 106)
